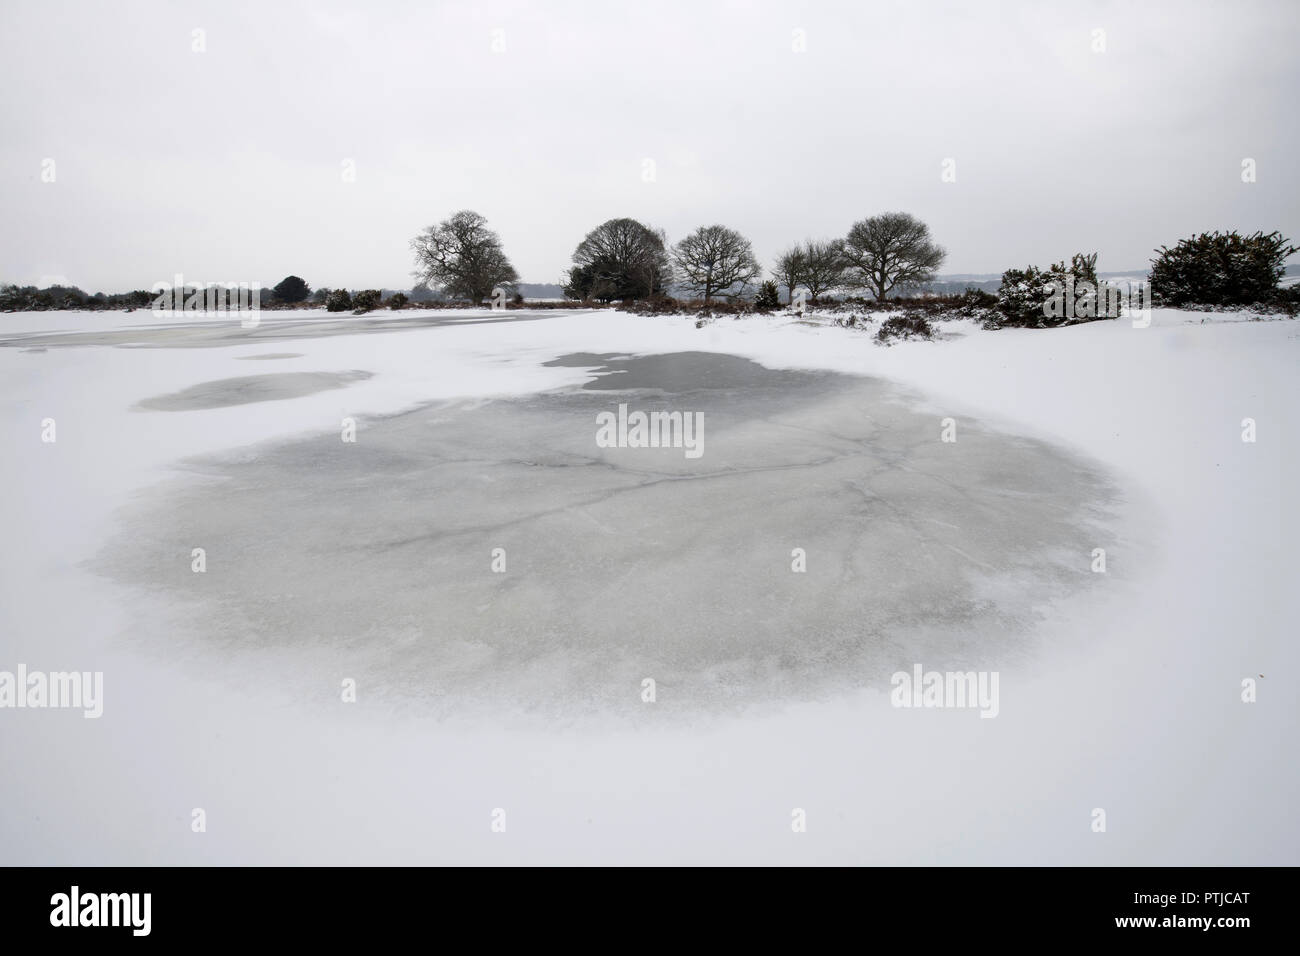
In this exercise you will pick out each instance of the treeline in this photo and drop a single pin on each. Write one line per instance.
(28, 298)
(626, 260)
(460, 261)
(291, 292)
(892, 254)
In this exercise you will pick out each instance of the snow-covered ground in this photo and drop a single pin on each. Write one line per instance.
(1131, 701)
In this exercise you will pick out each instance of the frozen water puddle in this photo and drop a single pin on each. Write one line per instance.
(487, 554)
(246, 389)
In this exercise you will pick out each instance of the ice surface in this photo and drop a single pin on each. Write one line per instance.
(633, 563)
(248, 389)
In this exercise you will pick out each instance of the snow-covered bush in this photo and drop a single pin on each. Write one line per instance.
(367, 300)
(1061, 295)
(338, 301)
(658, 305)
(909, 325)
(1021, 298)
(768, 298)
(1220, 269)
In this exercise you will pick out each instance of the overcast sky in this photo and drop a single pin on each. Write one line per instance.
(228, 164)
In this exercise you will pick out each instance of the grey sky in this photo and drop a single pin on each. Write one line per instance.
(226, 165)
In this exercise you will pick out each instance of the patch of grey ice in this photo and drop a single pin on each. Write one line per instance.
(375, 559)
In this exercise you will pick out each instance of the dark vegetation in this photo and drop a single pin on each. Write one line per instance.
(884, 263)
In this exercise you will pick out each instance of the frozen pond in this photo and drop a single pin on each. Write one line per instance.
(621, 564)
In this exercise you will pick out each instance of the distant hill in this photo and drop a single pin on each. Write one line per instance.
(956, 282)
(540, 290)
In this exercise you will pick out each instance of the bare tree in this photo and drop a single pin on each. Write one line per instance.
(824, 266)
(463, 258)
(715, 260)
(890, 251)
(619, 259)
(789, 269)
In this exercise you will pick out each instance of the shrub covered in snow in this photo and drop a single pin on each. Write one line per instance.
(1220, 269)
(397, 301)
(768, 298)
(658, 305)
(909, 325)
(974, 301)
(338, 300)
(367, 300)
(970, 304)
(1021, 298)
(1061, 295)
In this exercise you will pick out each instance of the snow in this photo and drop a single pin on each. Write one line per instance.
(1132, 703)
